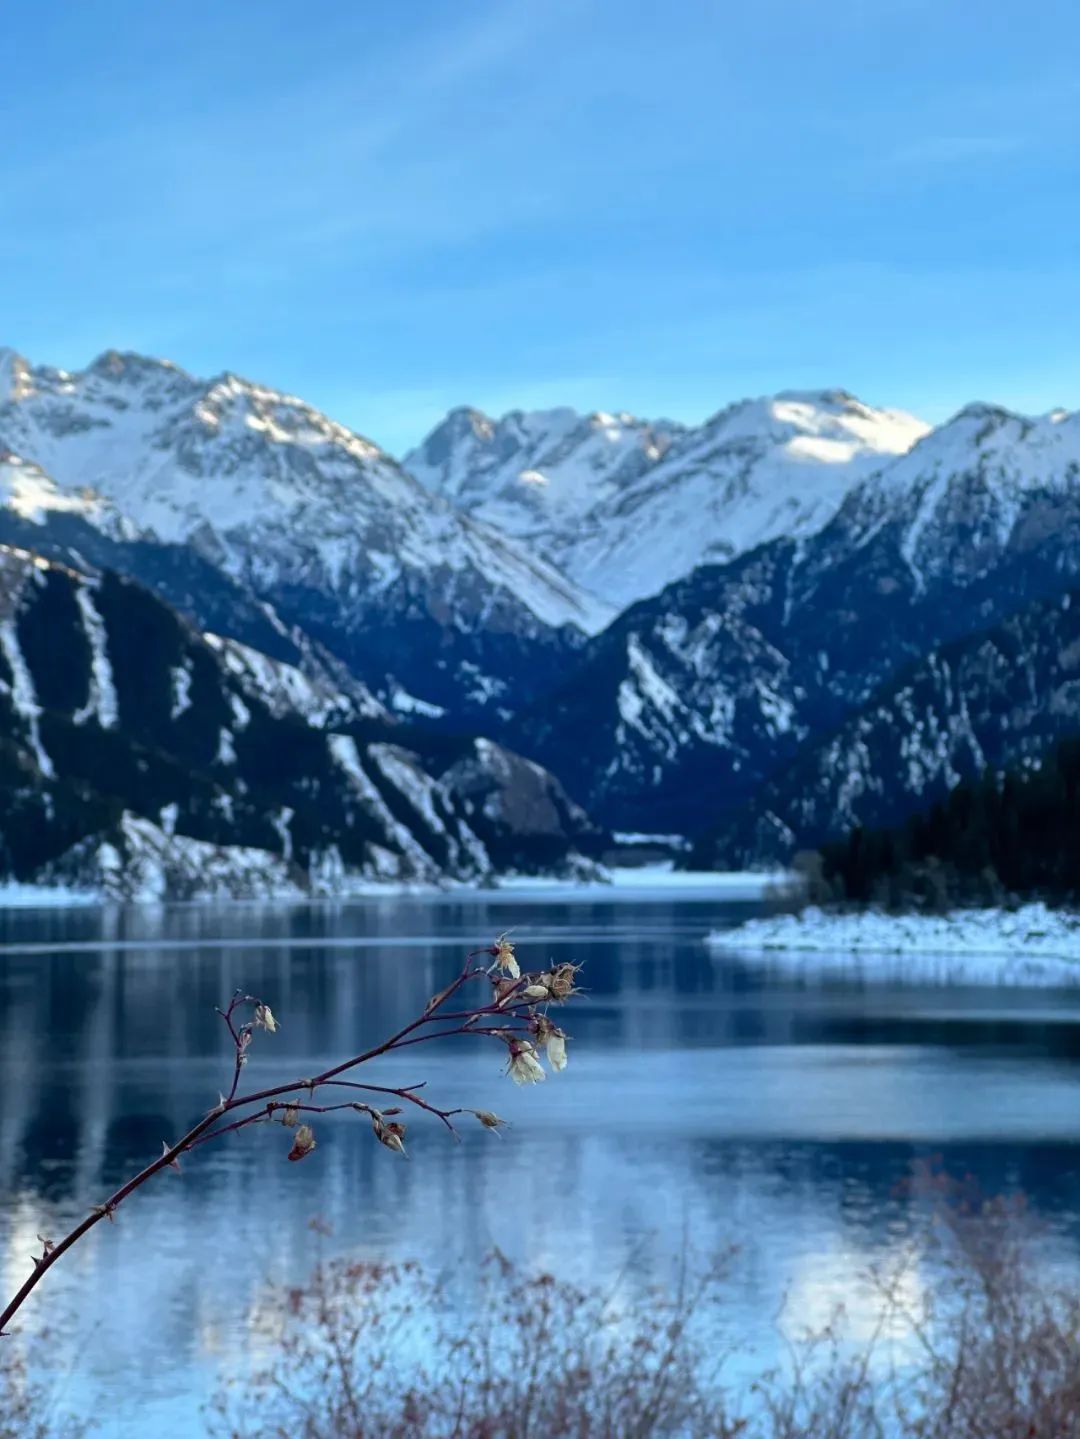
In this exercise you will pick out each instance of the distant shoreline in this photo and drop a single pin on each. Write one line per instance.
(610, 884)
(1031, 942)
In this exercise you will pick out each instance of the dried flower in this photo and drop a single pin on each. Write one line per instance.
(489, 1120)
(392, 1134)
(264, 1018)
(504, 989)
(556, 1049)
(290, 1116)
(524, 1067)
(538, 990)
(550, 1038)
(303, 1143)
(505, 958)
(561, 981)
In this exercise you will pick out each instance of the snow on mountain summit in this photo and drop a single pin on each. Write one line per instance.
(625, 506)
(958, 496)
(533, 472)
(264, 484)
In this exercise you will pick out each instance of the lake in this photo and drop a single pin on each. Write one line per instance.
(705, 1101)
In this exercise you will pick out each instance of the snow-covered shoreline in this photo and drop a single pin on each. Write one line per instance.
(640, 883)
(1028, 944)
(662, 880)
(14, 895)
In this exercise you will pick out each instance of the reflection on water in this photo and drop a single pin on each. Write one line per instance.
(703, 1101)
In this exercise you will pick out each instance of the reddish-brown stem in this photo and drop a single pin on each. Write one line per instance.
(204, 1129)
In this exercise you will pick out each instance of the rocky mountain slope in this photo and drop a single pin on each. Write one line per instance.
(295, 511)
(625, 507)
(690, 701)
(143, 759)
(992, 700)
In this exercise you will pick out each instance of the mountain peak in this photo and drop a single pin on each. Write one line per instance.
(831, 397)
(15, 381)
(130, 365)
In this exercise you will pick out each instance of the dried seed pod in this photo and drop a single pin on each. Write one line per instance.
(303, 1142)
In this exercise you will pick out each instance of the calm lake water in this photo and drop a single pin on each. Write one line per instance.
(705, 1100)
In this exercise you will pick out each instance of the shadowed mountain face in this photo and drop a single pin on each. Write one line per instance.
(143, 758)
(992, 700)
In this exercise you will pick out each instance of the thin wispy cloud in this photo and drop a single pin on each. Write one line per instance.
(485, 201)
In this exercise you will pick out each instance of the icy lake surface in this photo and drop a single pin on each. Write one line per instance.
(709, 1096)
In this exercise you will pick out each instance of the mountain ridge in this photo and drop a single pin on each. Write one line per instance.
(626, 506)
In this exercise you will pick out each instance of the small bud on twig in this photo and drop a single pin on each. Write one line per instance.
(489, 1120)
(392, 1134)
(303, 1142)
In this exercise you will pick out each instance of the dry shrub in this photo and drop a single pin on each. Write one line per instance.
(375, 1350)
(988, 1350)
(28, 1408)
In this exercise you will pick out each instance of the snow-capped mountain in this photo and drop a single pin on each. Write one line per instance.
(140, 758)
(302, 513)
(695, 698)
(625, 507)
(777, 568)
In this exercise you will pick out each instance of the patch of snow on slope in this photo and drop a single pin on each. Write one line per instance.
(102, 700)
(647, 703)
(420, 790)
(23, 696)
(180, 676)
(404, 703)
(284, 689)
(281, 822)
(30, 493)
(344, 753)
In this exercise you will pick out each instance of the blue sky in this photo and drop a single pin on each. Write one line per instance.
(391, 208)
